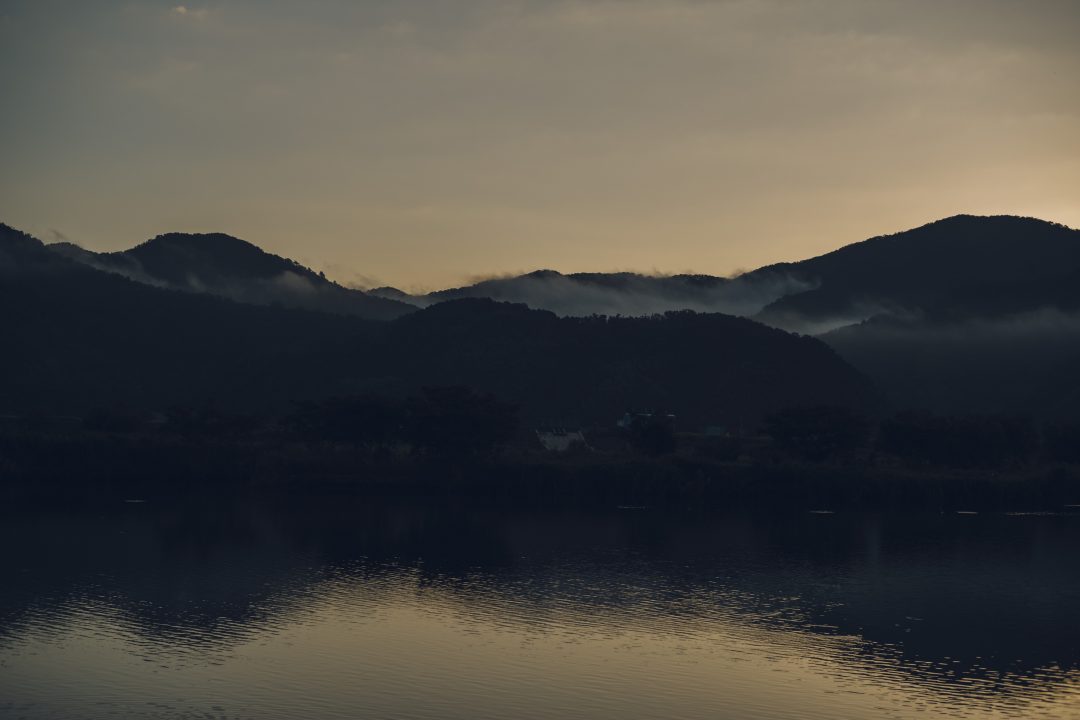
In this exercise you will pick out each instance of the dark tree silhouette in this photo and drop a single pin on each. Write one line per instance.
(457, 421)
(1062, 442)
(653, 435)
(818, 433)
(359, 420)
(969, 441)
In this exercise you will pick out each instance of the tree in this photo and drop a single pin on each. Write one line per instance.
(457, 421)
(360, 420)
(1062, 442)
(652, 434)
(960, 441)
(818, 433)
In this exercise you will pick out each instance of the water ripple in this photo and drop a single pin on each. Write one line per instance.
(701, 621)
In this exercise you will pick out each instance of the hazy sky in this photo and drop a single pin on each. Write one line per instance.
(422, 142)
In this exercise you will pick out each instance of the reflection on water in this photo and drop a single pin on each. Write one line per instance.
(338, 608)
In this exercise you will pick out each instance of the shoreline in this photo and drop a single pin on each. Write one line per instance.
(84, 466)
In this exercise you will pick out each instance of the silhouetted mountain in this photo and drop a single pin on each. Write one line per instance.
(81, 338)
(963, 266)
(392, 293)
(706, 368)
(1020, 364)
(78, 338)
(623, 293)
(965, 314)
(222, 265)
(21, 253)
(968, 314)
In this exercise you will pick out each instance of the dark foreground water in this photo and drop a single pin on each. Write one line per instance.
(349, 609)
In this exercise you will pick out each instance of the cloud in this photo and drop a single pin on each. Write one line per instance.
(185, 11)
(632, 294)
(293, 284)
(576, 134)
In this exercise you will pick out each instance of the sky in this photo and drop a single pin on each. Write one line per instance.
(425, 143)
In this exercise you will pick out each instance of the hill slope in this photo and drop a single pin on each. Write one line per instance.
(622, 293)
(705, 368)
(84, 338)
(963, 266)
(966, 314)
(222, 265)
(79, 338)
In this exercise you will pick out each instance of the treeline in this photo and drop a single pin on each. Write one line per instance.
(922, 439)
(69, 349)
(443, 421)
(462, 423)
(439, 421)
(361, 441)
(456, 442)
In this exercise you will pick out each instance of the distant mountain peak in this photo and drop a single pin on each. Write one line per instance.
(12, 236)
(942, 265)
(982, 222)
(202, 241)
(216, 264)
(19, 250)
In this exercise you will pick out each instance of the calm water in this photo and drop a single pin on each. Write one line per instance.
(342, 608)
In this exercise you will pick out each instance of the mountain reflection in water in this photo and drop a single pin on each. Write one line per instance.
(343, 608)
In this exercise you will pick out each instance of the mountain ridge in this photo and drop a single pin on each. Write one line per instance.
(82, 338)
(227, 266)
(946, 262)
(922, 269)
(964, 314)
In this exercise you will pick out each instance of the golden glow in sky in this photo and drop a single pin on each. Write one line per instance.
(417, 143)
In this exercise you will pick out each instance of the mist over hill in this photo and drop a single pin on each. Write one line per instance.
(622, 293)
(706, 368)
(960, 267)
(1023, 363)
(967, 314)
(80, 338)
(965, 265)
(226, 266)
(84, 338)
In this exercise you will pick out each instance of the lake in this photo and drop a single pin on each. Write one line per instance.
(338, 607)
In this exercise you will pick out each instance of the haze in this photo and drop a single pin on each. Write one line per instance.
(422, 143)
